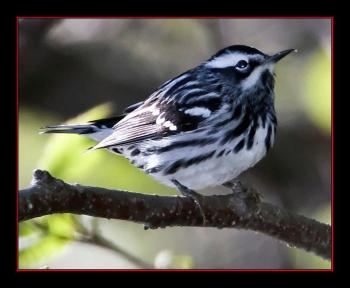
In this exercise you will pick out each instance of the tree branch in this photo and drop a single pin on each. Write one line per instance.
(241, 209)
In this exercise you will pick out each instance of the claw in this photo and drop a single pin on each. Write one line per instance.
(255, 195)
(235, 186)
(196, 197)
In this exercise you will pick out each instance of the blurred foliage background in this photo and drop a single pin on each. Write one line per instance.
(100, 66)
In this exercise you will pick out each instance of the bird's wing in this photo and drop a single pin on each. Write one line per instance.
(164, 113)
(132, 107)
(147, 123)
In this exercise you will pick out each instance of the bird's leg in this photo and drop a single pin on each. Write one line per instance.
(196, 197)
(237, 188)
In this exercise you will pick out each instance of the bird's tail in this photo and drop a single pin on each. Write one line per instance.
(70, 129)
(96, 130)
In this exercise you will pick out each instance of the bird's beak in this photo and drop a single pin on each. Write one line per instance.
(278, 56)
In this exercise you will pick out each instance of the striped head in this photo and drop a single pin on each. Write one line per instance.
(245, 68)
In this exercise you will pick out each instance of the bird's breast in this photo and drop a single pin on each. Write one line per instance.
(203, 161)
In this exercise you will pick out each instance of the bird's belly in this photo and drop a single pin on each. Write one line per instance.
(215, 171)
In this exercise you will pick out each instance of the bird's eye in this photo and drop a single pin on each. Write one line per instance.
(241, 65)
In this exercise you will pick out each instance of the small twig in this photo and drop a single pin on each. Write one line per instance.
(242, 209)
(95, 238)
(104, 243)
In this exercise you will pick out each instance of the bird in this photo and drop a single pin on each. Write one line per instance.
(200, 129)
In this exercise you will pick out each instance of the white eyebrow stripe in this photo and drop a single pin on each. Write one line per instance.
(226, 60)
(231, 59)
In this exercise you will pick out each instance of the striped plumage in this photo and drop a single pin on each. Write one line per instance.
(202, 128)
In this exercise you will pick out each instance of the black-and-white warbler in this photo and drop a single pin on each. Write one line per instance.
(201, 128)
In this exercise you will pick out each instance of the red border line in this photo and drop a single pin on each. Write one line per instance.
(176, 17)
(332, 145)
(17, 119)
(175, 270)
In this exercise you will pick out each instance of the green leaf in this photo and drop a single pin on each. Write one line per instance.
(27, 228)
(46, 247)
(52, 233)
(61, 225)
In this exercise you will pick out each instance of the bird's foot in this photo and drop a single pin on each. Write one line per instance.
(235, 186)
(196, 197)
(238, 189)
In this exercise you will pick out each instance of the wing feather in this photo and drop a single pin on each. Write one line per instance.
(160, 115)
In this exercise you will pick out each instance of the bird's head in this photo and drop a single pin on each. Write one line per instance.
(245, 67)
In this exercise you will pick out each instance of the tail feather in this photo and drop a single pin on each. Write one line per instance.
(96, 129)
(71, 129)
(91, 131)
